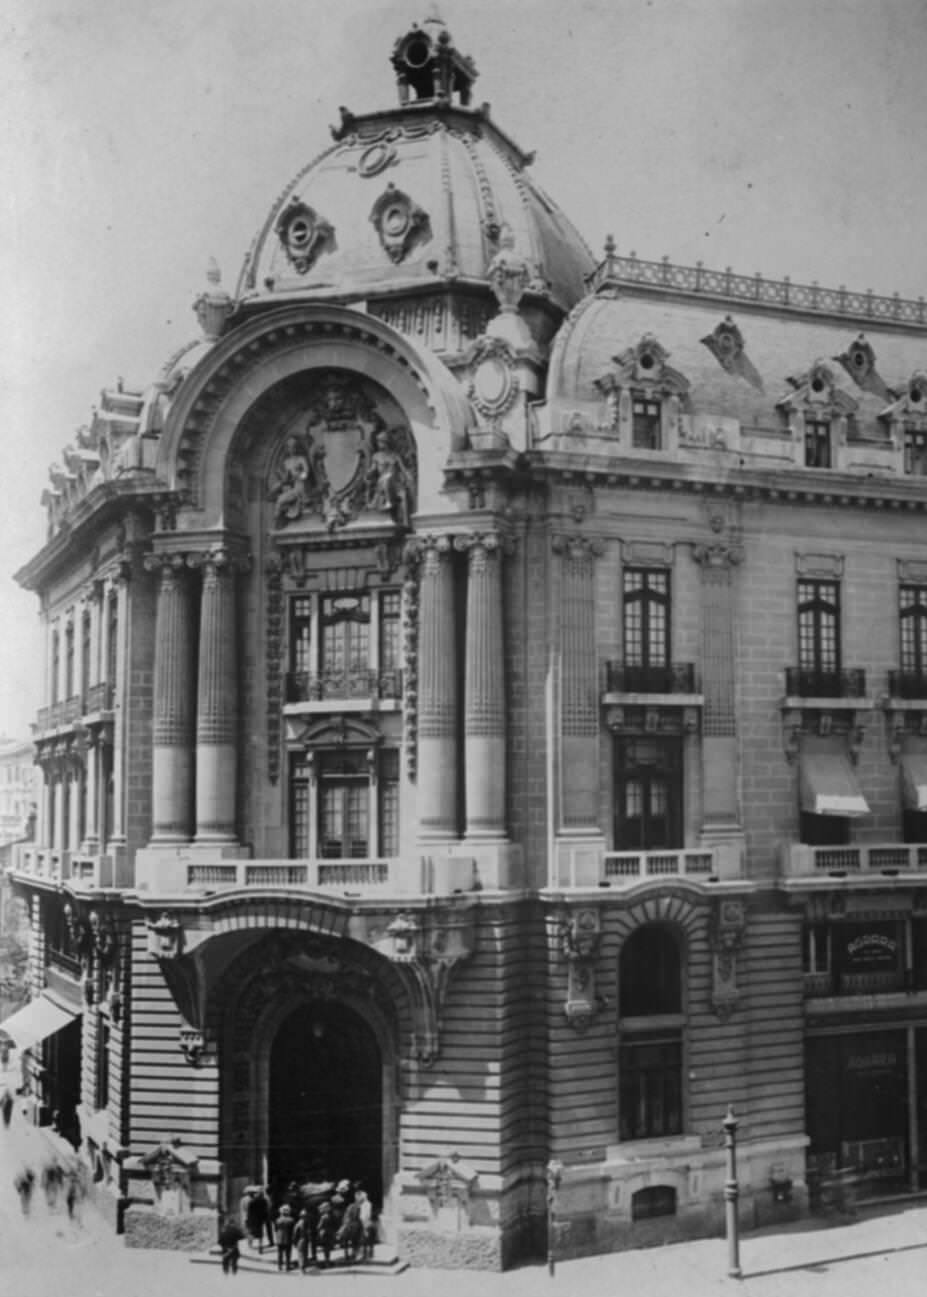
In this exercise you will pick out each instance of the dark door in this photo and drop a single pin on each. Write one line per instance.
(648, 801)
(326, 1102)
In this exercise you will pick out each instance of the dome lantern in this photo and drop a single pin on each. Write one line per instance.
(429, 67)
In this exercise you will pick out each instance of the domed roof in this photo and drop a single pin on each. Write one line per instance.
(414, 196)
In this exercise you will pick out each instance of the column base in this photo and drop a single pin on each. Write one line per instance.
(497, 863)
(579, 858)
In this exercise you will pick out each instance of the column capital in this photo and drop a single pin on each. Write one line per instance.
(418, 547)
(218, 559)
(718, 554)
(577, 547)
(165, 563)
(487, 543)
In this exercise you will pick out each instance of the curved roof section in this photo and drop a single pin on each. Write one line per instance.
(775, 350)
(414, 196)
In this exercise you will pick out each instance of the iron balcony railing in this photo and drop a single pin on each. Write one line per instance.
(800, 682)
(354, 682)
(673, 678)
(907, 684)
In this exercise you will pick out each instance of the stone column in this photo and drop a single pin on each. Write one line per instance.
(217, 702)
(484, 689)
(579, 693)
(91, 750)
(174, 690)
(720, 809)
(437, 705)
(122, 700)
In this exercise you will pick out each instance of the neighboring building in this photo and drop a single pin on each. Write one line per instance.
(19, 786)
(486, 724)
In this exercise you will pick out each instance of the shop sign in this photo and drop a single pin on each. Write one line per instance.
(875, 946)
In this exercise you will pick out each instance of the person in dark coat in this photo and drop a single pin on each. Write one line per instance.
(303, 1239)
(259, 1219)
(326, 1231)
(24, 1184)
(283, 1226)
(6, 1106)
(230, 1235)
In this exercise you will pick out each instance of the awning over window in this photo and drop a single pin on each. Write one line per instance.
(828, 784)
(914, 778)
(35, 1021)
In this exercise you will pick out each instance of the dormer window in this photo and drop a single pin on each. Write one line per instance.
(817, 443)
(915, 452)
(645, 424)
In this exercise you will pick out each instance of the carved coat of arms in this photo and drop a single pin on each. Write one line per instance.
(343, 460)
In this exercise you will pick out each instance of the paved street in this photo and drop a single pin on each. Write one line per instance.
(46, 1255)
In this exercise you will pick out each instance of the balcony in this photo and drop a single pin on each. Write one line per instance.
(357, 684)
(45, 863)
(318, 875)
(849, 683)
(829, 984)
(886, 859)
(99, 699)
(590, 866)
(907, 684)
(673, 678)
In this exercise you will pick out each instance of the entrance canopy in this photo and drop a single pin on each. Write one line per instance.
(35, 1022)
(914, 775)
(828, 784)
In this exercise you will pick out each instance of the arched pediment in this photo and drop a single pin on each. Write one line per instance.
(273, 349)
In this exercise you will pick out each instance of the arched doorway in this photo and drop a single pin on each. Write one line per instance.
(325, 1097)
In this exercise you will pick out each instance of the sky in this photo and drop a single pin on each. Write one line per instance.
(140, 138)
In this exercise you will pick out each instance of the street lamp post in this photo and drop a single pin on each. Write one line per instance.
(731, 1194)
(554, 1173)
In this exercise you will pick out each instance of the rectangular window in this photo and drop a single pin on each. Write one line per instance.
(645, 424)
(85, 655)
(819, 637)
(344, 805)
(915, 453)
(650, 1087)
(816, 948)
(912, 621)
(647, 630)
(389, 802)
(817, 443)
(103, 1050)
(301, 634)
(112, 643)
(69, 661)
(345, 646)
(55, 666)
(648, 795)
(299, 811)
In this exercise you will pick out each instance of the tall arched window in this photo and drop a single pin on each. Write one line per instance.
(650, 1096)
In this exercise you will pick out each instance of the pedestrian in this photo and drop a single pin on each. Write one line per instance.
(302, 1237)
(283, 1227)
(351, 1233)
(52, 1182)
(76, 1190)
(368, 1224)
(327, 1231)
(259, 1218)
(24, 1184)
(230, 1235)
(6, 1106)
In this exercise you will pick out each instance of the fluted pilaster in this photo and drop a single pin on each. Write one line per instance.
(174, 689)
(217, 701)
(484, 688)
(579, 703)
(437, 707)
(719, 755)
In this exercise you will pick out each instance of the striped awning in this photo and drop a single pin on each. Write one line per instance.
(828, 784)
(914, 780)
(35, 1022)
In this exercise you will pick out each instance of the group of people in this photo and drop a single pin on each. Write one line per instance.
(67, 1181)
(313, 1219)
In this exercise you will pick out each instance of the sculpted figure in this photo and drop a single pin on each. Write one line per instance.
(388, 484)
(299, 477)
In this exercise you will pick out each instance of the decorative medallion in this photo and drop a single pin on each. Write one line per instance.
(859, 360)
(376, 158)
(400, 223)
(304, 234)
(726, 344)
(493, 385)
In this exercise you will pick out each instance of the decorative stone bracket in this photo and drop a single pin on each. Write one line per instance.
(425, 947)
(903, 717)
(171, 1169)
(579, 935)
(448, 1183)
(95, 937)
(816, 719)
(728, 930)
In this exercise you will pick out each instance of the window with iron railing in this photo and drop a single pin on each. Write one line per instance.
(344, 794)
(911, 681)
(344, 646)
(69, 660)
(85, 650)
(819, 636)
(54, 692)
(648, 794)
(646, 600)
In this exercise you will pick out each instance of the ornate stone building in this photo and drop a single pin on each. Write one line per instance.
(485, 728)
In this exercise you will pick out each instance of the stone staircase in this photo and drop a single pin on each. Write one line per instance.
(384, 1262)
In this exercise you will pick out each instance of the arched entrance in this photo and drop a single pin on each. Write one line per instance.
(325, 1097)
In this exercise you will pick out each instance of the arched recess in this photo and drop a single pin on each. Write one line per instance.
(273, 980)
(266, 351)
